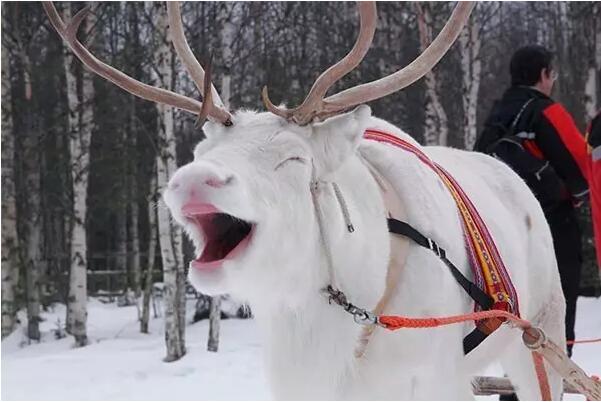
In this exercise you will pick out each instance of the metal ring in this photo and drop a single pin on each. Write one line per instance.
(538, 341)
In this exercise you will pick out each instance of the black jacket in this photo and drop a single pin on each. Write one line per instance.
(557, 137)
(594, 136)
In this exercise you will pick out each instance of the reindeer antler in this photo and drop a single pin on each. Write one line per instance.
(316, 107)
(69, 34)
(313, 103)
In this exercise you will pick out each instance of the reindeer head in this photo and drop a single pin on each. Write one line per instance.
(245, 200)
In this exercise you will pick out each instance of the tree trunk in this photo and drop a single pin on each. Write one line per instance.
(214, 319)
(228, 13)
(80, 126)
(170, 236)
(564, 32)
(592, 87)
(32, 220)
(152, 242)
(436, 130)
(121, 217)
(10, 242)
(133, 207)
(471, 68)
(133, 46)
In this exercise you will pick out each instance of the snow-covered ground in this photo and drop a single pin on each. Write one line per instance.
(122, 364)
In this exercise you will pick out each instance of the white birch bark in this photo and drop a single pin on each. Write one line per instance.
(591, 86)
(170, 236)
(121, 215)
(471, 69)
(10, 242)
(80, 126)
(565, 83)
(590, 92)
(214, 321)
(134, 210)
(436, 130)
(152, 225)
(33, 223)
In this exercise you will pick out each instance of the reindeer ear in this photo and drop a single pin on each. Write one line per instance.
(337, 138)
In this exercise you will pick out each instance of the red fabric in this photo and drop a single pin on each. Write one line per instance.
(534, 150)
(595, 193)
(594, 183)
(497, 283)
(570, 135)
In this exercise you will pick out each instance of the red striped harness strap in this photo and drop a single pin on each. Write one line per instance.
(490, 274)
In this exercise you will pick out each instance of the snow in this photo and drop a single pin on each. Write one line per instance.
(122, 364)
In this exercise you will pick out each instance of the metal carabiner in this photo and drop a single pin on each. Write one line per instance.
(363, 317)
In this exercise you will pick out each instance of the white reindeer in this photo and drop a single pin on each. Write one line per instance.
(247, 204)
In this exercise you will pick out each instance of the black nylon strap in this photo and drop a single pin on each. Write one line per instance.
(473, 339)
(404, 229)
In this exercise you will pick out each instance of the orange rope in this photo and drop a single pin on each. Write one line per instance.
(397, 322)
(572, 342)
(393, 322)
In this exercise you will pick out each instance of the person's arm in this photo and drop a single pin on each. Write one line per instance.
(564, 147)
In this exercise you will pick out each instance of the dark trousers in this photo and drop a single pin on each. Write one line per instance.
(567, 241)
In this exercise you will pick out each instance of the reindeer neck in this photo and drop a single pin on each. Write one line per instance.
(315, 340)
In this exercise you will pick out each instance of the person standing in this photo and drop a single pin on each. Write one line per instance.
(538, 138)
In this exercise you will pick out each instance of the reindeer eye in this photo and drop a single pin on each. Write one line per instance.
(291, 159)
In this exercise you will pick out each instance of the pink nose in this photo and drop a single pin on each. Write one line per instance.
(197, 177)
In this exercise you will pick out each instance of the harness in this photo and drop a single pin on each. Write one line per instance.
(492, 287)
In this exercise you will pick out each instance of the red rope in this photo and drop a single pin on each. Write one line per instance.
(541, 374)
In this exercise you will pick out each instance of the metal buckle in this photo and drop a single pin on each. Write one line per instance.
(363, 317)
(434, 247)
(360, 316)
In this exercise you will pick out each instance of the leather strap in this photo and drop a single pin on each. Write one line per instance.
(484, 327)
(404, 229)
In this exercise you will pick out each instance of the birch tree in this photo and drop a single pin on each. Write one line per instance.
(134, 210)
(228, 33)
(32, 222)
(133, 44)
(152, 244)
(471, 71)
(562, 42)
(10, 256)
(80, 127)
(170, 236)
(436, 130)
(593, 62)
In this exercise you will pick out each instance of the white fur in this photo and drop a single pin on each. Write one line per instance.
(309, 344)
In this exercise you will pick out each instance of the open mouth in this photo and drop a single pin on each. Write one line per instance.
(226, 236)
